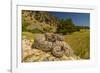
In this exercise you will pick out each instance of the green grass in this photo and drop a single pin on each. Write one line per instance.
(80, 42)
(27, 35)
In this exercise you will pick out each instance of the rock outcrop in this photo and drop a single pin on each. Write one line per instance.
(48, 47)
(53, 43)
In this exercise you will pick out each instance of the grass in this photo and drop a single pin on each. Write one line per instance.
(27, 35)
(80, 42)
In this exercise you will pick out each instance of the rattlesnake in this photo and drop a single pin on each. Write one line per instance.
(53, 43)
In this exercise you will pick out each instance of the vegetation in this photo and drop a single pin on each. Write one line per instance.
(80, 43)
(27, 35)
(66, 26)
(78, 37)
(44, 22)
(24, 25)
(82, 27)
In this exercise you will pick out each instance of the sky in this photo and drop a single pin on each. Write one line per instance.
(80, 19)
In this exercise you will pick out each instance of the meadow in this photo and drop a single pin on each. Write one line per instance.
(80, 43)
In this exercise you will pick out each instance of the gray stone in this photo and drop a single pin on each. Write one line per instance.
(48, 36)
(58, 37)
(58, 43)
(69, 52)
(58, 51)
(46, 46)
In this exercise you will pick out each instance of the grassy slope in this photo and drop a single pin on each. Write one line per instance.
(79, 41)
(27, 35)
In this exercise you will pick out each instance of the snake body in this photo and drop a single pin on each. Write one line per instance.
(53, 43)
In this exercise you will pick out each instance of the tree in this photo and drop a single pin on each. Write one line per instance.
(66, 26)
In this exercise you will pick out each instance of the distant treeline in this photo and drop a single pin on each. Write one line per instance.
(67, 26)
(83, 27)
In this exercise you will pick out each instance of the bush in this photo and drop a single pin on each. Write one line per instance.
(63, 31)
(48, 28)
(66, 26)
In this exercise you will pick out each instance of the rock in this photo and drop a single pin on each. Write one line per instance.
(64, 57)
(48, 36)
(57, 43)
(54, 43)
(46, 46)
(68, 49)
(46, 50)
(56, 59)
(44, 57)
(57, 51)
(25, 53)
(69, 52)
(42, 44)
(26, 44)
(37, 42)
(66, 45)
(58, 37)
(36, 55)
(26, 47)
(53, 37)
(51, 58)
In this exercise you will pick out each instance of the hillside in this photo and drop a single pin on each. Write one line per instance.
(46, 37)
(39, 21)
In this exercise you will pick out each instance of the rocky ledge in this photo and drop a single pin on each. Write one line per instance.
(50, 47)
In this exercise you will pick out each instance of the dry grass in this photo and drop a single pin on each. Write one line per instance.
(80, 43)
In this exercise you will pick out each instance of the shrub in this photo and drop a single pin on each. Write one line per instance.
(66, 26)
(48, 28)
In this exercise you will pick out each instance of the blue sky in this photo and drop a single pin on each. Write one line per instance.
(81, 19)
